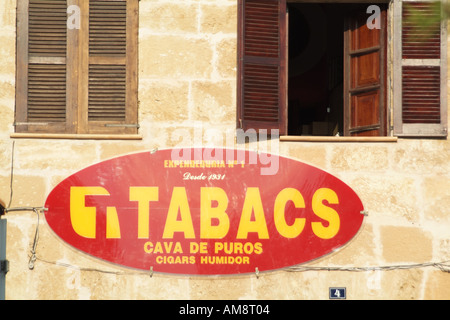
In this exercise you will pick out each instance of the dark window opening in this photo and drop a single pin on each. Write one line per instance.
(320, 102)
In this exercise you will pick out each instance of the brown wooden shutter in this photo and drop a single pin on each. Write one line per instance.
(109, 102)
(262, 70)
(422, 53)
(364, 85)
(42, 91)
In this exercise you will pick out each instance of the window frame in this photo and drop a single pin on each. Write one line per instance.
(77, 62)
(395, 127)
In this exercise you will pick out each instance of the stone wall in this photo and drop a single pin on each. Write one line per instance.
(187, 81)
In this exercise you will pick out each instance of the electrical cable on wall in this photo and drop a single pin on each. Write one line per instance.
(36, 234)
(34, 209)
(443, 266)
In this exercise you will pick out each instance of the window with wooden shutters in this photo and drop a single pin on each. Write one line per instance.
(77, 80)
(394, 78)
(420, 70)
(262, 65)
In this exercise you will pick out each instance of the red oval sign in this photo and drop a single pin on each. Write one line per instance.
(231, 214)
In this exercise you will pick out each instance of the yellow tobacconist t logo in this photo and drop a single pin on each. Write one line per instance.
(84, 218)
(214, 221)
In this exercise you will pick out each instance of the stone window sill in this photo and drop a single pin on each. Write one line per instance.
(336, 139)
(76, 136)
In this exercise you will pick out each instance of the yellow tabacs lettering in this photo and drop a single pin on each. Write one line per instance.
(252, 203)
(143, 195)
(207, 213)
(179, 203)
(326, 213)
(178, 248)
(287, 231)
(112, 224)
(83, 218)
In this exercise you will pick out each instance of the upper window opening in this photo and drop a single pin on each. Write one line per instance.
(322, 69)
(336, 71)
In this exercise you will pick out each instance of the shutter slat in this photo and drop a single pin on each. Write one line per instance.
(46, 93)
(261, 92)
(47, 20)
(107, 92)
(421, 32)
(261, 31)
(421, 96)
(107, 28)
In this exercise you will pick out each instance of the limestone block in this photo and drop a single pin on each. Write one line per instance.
(422, 156)
(406, 244)
(8, 14)
(313, 154)
(164, 101)
(402, 285)
(218, 18)
(54, 155)
(360, 157)
(227, 289)
(177, 17)
(7, 100)
(7, 85)
(437, 198)
(360, 251)
(213, 102)
(174, 57)
(437, 286)
(388, 197)
(8, 54)
(5, 188)
(114, 149)
(226, 57)
(5, 155)
(6, 120)
(29, 191)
